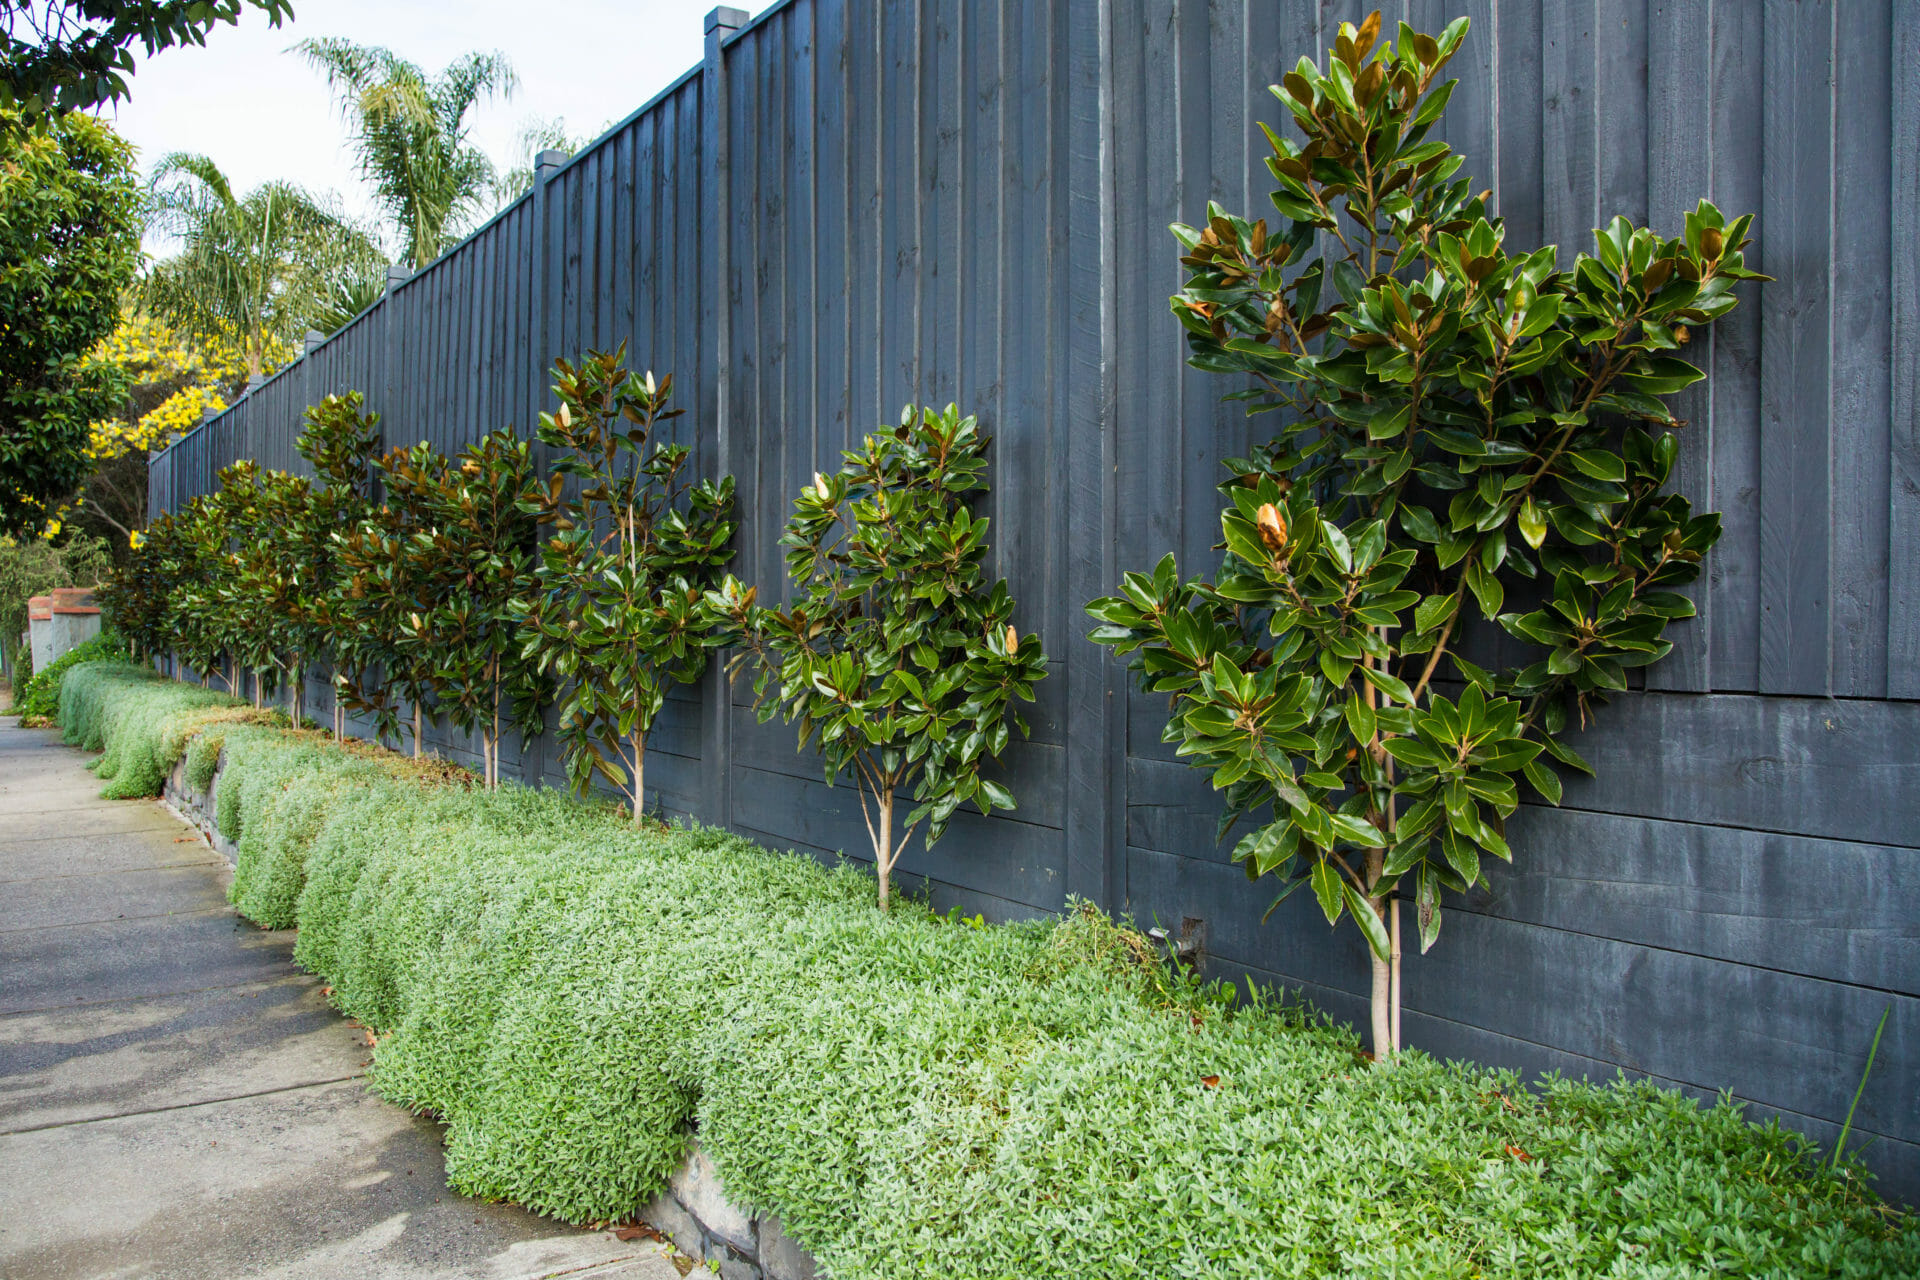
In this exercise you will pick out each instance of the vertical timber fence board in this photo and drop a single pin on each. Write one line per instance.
(853, 205)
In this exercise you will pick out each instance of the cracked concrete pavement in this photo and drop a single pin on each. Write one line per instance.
(176, 1098)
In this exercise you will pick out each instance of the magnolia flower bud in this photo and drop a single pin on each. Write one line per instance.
(1013, 642)
(1273, 527)
(564, 418)
(820, 485)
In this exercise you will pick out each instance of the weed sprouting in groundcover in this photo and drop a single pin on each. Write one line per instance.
(917, 1098)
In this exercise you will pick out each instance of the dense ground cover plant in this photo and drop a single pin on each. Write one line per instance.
(1465, 432)
(37, 697)
(900, 663)
(914, 1097)
(616, 614)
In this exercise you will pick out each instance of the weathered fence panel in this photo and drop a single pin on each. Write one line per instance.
(853, 205)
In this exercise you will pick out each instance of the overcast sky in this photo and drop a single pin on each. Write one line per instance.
(263, 113)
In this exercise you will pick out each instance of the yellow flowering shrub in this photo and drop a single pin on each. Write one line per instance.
(175, 378)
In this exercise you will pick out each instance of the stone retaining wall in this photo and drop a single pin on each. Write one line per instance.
(692, 1209)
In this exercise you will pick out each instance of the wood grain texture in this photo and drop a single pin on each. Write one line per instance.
(1796, 333)
(1903, 566)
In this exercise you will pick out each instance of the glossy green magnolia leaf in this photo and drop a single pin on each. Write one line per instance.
(1327, 887)
(1370, 924)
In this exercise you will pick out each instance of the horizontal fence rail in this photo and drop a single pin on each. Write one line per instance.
(852, 205)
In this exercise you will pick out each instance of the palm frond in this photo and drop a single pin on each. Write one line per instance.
(410, 135)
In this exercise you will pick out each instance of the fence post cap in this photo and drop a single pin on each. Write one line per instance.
(315, 338)
(255, 381)
(548, 162)
(397, 275)
(209, 413)
(724, 18)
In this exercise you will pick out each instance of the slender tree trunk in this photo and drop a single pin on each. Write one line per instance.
(1394, 934)
(883, 860)
(416, 731)
(639, 777)
(296, 696)
(494, 781)
(1380, 1002)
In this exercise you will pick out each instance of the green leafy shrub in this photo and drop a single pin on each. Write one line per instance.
(32, 567)
(616, 616)
(899, 661)
(916, 1097)
(38, 696)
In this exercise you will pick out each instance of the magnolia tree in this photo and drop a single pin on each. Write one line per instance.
(1464, 433)
(900, 662)
(246, 517)
(476, 563)
(616, 610)
(388, 566)
(340, 441)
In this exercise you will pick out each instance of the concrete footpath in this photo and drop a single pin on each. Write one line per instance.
(176, 1099)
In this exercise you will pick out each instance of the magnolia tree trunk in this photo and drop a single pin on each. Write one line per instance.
(639, 788)
(416, 731)
(1380, 997)
(296, 696)
(884, 851)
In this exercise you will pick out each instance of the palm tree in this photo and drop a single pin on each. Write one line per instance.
(410, 132)
(253, 267)
(536, 136)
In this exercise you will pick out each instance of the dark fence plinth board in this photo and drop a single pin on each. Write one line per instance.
(856, 204)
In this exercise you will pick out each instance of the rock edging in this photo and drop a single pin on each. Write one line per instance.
(196, 808)
(692, 1210)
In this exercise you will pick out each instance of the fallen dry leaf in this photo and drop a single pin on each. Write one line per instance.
(1517, 1153)
(1212, 1082)
(638, 1231)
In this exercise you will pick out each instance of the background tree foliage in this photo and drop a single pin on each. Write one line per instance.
(410, 135)
(253, 269)
(1466, 434)
(69, 55)
(172, 380)
(69, 244)
(32, 567)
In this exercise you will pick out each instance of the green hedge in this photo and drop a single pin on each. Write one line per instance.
(917, 1097)
(38, 692)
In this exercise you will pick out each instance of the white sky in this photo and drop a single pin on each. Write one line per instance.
(262, 113)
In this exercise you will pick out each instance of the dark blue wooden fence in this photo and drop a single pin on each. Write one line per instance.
(854, 204)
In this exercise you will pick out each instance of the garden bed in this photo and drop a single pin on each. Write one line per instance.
(917, 1096)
